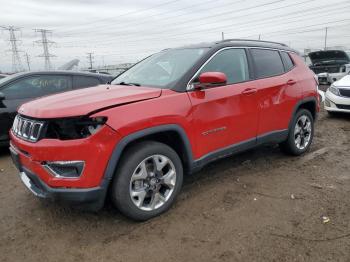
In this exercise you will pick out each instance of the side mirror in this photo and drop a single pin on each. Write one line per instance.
(211, 79)
(2, 98)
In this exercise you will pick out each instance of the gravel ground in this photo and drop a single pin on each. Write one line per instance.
(257, 206)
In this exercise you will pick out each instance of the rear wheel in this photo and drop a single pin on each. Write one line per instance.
(300, 135)
(147, 181)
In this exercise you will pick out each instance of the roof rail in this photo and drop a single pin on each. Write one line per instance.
(249, 40)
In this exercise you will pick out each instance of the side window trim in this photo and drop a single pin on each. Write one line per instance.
(189, 86)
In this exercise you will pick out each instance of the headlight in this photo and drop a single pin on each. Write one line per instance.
(74, 128)
(334, 90)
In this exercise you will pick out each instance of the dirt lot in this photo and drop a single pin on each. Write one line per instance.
(257, 206)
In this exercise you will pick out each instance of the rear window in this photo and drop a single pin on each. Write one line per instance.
(288, 63)
(267, 63)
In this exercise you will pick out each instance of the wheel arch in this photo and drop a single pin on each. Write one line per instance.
(309, 104)
(179, 142)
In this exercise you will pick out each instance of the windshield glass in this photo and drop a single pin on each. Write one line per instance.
(163, 69)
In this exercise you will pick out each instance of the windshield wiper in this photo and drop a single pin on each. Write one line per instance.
(128, 84)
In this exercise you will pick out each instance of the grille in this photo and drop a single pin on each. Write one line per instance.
(344, 92)
(347, 107)
(27, 129)
(325, 69)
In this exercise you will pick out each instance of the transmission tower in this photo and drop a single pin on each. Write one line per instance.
(90, 58)
(16, 60)
(45, 43)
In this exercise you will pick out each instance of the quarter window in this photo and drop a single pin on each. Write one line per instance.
(288, 63)
(36, 86)
(232, 62)
(267, 63)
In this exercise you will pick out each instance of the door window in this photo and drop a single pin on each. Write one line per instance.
(36, 86)
(85, 81)
(232, 62)
(267, 63)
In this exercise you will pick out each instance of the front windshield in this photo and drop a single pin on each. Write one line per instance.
(163, 69)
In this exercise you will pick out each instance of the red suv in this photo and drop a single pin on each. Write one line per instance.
(169, 115)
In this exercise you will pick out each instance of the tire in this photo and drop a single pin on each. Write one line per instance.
(152, 191)
(291, 145)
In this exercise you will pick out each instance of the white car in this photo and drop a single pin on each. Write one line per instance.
(330, 65)
(338, 96)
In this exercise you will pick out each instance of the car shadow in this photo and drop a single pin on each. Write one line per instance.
(249, 160)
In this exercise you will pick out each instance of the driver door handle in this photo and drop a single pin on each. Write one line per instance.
(249, 91)
(291, 82)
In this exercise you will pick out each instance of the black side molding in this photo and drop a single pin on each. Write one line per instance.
(117, 152)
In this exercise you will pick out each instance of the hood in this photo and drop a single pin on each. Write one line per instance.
(329, 57)
(344, 82)
(84, 101)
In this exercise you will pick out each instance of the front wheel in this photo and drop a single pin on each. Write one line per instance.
(147, 181)
(300, 135)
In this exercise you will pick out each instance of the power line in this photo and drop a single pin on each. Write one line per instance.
(128, 13)
(16, 60)
(285, 21)
(45, 43)
(206, 22)
(127, 24)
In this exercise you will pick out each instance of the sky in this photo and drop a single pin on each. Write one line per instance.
(123, 31)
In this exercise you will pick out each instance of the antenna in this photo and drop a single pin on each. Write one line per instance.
(45, 43)
(16, 60)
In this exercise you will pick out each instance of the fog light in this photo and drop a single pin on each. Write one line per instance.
(65, 169)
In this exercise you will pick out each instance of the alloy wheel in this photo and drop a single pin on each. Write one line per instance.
(152, 182)
(302, 132)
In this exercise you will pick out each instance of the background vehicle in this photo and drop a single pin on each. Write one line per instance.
(338, 96)
(23, 87)
(330, 65)
(3, 76)
(167, 116)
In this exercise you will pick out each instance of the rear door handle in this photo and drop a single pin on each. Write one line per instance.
(291, 82)
(249, 91)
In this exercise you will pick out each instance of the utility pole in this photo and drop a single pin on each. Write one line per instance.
(28, 61)
(16, 60)
(90, 58)
(45, 43)
(325, 39)
(222, 36)
(259, 36)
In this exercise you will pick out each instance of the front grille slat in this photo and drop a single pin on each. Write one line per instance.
(27, 129)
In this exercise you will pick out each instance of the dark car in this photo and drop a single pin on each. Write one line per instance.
(22, 87)
(2, 76)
